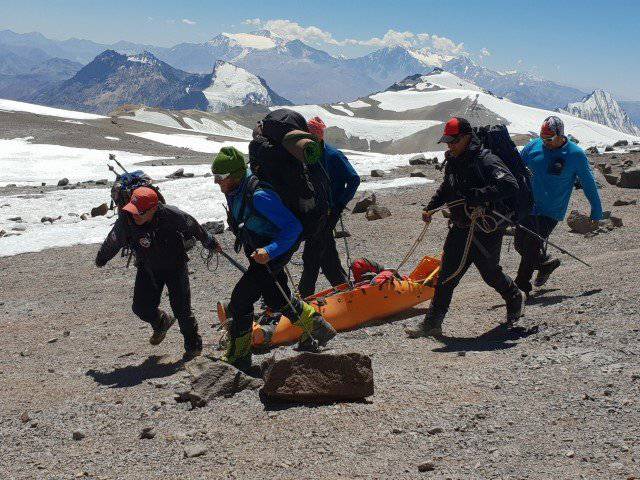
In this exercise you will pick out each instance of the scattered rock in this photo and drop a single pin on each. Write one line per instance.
(608, 148)
(19, 228)
(621, 143)
(364, 203)
(622, 202)
(147, 433)
(580, 223)
(50, 219)
(630, 178)
(377, 173)
(426, 467)
(102, 181)
(84, 216)
(69, 187)
(611, 179)
(604, 167)
(216, 227)
(15, 219)
(100, 210)
(377, 212)
(78, 435)
(73, 214)
(341, 234)
(592, 150)
(418, 159)
(211, 378)
(63, 182)
(192, 451)
(179, 174)
(52, 340)
(318, 378)
(2, 233)
(435, 430)
(418, 173)
(24, 417)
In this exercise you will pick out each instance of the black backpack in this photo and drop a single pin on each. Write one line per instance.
(496, 139)
(302, 186)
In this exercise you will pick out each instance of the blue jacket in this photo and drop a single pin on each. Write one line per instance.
(551, 192)
(343, 178)
(269, 223)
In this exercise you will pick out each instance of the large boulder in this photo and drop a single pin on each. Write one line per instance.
(211, 378)
(630, 178)
(63, 182)
(377, 212)
(621, 143)
(318, 378)
(418, 159)
(580, 223)
(592, 150)
(377, 173)
(364, 203)
(215, 227)
(418, 173)
(611, 178)
(100, 210)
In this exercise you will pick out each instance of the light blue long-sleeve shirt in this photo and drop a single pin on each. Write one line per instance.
(551, 193)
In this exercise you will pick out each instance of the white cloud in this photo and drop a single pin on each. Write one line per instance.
(186, 21)
(289, 30)
(485, 52)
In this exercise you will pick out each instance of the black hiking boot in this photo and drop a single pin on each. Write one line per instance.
(429, 326)
(322, 332)
(545, 271)
(160, 329)
(192, 348)
(515, 306)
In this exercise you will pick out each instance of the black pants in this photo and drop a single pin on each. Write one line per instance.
(321, 252)
(530, 248)
(486, 259)
(147, 294)
(259, 282)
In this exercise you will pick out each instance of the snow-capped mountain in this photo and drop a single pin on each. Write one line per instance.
(232, 86)
(410, 116)
(112, 80)
(601, 107)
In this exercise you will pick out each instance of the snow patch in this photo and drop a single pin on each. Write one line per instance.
(394, 183)
(233, 87)
(13, 106)
(342, 109)
(196, 143)
(115, 139)
(249, 40)
(156, 118)
(358, 104)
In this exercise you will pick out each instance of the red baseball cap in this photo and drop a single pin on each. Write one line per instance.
(142, 199)
(454, 128)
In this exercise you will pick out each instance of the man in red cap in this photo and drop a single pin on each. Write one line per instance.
(480, 178)
(156, 233)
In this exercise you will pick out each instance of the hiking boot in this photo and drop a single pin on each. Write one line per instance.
(429, 326)
(545, 271)
(238, 352)
(322, 332)
(515, 306)
(192, 347)
(160, 329)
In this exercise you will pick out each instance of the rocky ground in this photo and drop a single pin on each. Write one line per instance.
(554, 397)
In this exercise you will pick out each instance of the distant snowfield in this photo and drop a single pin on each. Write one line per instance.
(522, 119)
(231, 87)
(26, 163)
(13, 106)
(395, 183)
(196, 143)
(366, 128)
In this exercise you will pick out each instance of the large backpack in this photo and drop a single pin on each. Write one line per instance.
(286, 157)
(126, 183)
(496, 139)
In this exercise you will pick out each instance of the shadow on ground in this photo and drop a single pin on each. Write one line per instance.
(132, 375)
(499, 338)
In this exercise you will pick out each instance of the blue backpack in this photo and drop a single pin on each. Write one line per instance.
(126, 183)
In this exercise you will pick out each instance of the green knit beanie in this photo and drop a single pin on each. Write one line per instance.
(229, 160)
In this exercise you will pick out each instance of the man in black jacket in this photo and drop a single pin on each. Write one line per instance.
(156, 233)
(482, 180)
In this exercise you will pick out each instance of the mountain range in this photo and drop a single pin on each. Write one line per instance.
(601, 107)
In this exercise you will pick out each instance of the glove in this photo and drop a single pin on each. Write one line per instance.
(210, 243)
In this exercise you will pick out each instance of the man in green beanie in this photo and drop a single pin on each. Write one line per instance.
(269, 234)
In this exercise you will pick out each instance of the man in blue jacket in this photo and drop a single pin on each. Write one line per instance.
(269, 234)
(321, 252)
(556, 163)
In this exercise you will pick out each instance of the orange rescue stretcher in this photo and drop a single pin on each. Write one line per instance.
(346, 308)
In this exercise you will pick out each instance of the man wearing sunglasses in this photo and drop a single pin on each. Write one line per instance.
(269, 233)
(156, 233)
(480, 178)
(556, 163)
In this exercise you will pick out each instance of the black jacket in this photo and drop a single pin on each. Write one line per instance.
(158, 244)
(478, 176)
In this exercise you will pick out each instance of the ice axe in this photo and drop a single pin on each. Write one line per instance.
(542, 239)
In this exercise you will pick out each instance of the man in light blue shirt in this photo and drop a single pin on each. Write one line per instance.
(555, 163)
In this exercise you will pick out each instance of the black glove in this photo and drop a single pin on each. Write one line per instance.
(210, 243)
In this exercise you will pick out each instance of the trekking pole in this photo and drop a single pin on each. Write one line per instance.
(113, 157)
(346, 248)
(542, 239)
(233, 261)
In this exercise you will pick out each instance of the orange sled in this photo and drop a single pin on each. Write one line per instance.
(346, 308)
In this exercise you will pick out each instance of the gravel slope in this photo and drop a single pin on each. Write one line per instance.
(555, 397)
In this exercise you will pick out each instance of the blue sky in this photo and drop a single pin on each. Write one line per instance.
(588, 44)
